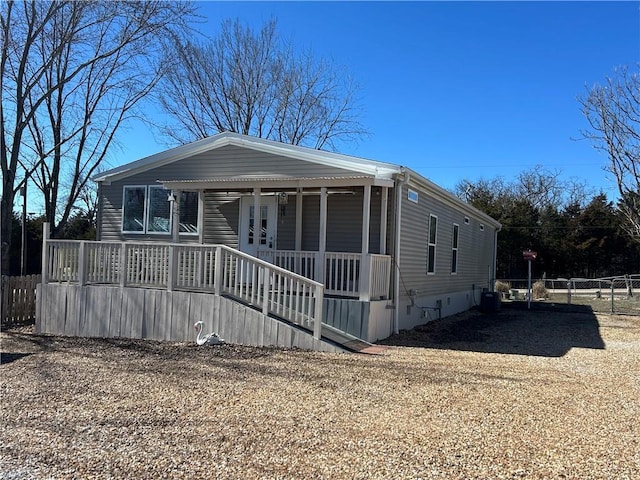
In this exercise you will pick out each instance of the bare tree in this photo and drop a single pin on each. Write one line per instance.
(254, 83)
(613, 112)
(544, 188)
(72, 73)
(539, 186)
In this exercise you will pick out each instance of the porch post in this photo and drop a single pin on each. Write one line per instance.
(299, 219)
(257, 221)
(384, 206)
(322, 240)
(175, 214)
(366, 215)
(365, 267)
(201, 216)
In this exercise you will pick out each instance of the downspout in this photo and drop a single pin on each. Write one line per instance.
(396, 286)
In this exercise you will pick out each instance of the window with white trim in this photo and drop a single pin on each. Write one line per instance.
(454, 249)
(147, 209)
(158, 210)
(133, 207)
(431, 248)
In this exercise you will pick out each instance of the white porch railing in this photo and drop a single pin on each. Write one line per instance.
(210, 268)
(345, 274)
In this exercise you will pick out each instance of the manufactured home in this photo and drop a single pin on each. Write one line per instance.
(267, 243)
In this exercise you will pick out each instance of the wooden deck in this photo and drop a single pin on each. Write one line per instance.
(159, 290)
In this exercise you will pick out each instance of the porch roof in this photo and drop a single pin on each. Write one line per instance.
(276, 181)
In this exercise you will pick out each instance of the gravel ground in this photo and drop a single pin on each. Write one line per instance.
(516, 394)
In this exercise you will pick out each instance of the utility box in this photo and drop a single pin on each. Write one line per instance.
(490, 302)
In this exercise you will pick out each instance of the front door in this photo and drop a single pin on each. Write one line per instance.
(264, 238)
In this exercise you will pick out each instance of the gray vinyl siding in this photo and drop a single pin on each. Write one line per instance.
(221, 214)
(310, 222)
(223, 162)
(475, 248)
(344, 223)
(231, 161)
(286, 229)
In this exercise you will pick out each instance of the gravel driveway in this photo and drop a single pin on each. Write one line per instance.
(516, 394)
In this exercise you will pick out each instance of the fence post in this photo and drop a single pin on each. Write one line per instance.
(364, 279)
(173, 267)
(217, 271)
(320, 261)
(82, 264)
(45, 252)
(123, 264)
(569, 292)
(613, 281)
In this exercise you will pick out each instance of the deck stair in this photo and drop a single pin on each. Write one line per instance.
(349, 342)
(335, 336)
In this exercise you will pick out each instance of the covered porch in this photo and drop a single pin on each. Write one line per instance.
(331, 230)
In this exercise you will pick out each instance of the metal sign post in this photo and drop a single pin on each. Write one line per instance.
(528, 255)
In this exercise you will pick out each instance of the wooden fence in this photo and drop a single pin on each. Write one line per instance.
(19, 299)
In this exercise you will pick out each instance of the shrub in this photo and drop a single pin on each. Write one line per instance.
(539, 290)
(502, 287)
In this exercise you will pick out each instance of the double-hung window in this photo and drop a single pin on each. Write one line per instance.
(147, 209)
(431, 247)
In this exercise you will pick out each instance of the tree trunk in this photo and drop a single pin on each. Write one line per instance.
(6, 212)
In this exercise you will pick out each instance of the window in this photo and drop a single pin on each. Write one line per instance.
(133, 205)
(189, 212)
(147, 209)
(413, 196)
(264, 211)
(454, 249)
(159, 211)
(431, 249)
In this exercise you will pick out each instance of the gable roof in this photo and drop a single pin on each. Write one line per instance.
(362, 168)
(356, 164)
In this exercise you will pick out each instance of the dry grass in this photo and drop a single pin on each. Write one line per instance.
(508, 395)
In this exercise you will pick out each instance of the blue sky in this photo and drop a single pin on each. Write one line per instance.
(458, 90)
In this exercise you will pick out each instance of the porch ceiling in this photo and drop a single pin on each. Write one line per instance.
(245, 181)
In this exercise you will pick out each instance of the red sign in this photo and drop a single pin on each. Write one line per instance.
(529, 255)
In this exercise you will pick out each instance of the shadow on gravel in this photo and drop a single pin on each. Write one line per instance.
(8, 357)
(546, 330)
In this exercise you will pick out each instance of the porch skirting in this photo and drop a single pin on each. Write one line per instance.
(110, 312)
(370, 321)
